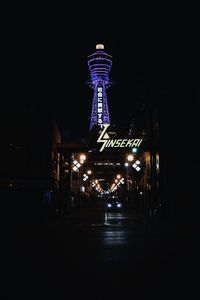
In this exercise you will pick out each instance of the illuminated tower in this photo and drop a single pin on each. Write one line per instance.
(99, 65)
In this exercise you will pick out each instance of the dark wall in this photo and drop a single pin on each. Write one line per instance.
(180, 166)
(26, 145)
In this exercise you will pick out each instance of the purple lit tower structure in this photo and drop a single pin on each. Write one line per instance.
(99, 65)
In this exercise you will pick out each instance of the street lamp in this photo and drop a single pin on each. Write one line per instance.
(82, 158)
(129, 158)
(89, 172)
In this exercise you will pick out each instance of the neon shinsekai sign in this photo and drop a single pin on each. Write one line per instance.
(116, 143)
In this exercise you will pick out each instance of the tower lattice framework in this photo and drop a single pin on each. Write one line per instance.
(100, 64)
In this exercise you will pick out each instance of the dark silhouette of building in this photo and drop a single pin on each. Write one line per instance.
(29, 160)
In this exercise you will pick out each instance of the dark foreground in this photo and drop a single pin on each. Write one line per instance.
(80, 256)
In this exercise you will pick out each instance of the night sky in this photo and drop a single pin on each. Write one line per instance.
(47, 63)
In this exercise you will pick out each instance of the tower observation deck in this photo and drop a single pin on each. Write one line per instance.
(100, 64)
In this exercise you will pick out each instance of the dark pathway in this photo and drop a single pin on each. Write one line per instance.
(81, 257)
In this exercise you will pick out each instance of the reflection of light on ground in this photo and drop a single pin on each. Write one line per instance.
(114, 237)
(116, 216)
(113, 216)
